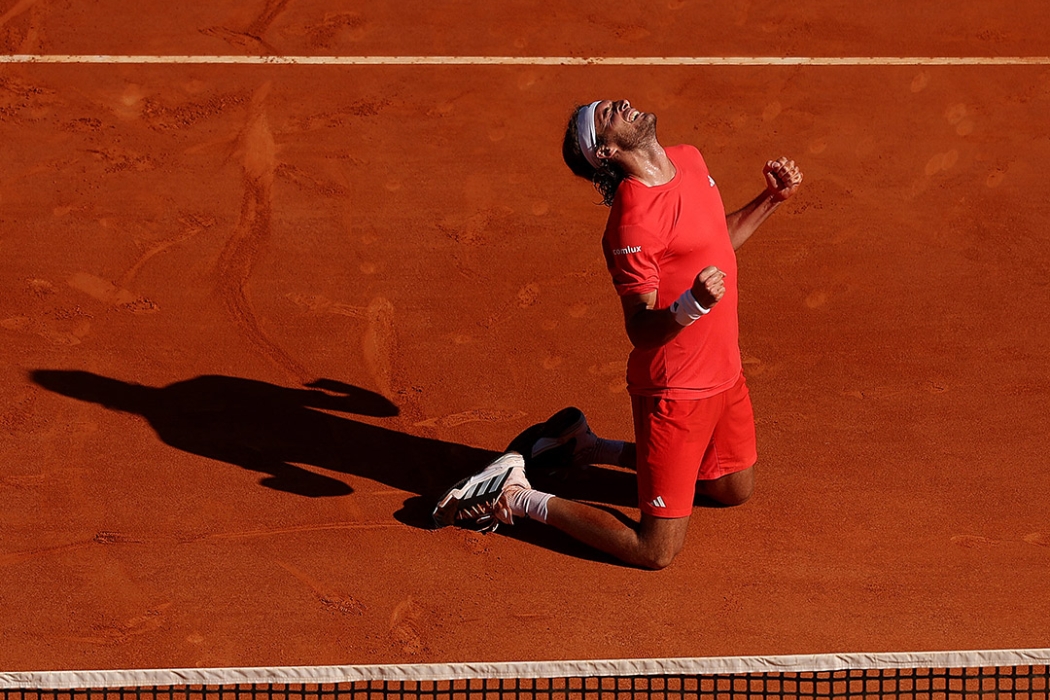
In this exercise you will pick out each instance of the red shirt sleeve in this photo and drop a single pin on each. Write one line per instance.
(632, 255)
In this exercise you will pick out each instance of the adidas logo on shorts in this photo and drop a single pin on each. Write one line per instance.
(658, 502)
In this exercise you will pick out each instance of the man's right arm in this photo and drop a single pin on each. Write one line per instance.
(649, 327)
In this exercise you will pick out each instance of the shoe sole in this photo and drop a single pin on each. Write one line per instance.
(559, 429)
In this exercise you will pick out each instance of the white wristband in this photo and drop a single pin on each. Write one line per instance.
(687, 309)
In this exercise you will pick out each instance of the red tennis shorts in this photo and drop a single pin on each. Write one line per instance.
(682, 441)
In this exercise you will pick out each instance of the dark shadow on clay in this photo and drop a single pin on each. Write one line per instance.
(270, 429)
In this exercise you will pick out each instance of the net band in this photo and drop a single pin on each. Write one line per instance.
(616, 668)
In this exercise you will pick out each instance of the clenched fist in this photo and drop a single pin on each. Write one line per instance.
(709, 286)
(782, 178)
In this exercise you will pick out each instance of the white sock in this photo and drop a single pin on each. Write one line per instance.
(529, 503)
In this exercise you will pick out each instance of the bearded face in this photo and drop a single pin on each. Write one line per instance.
(630, 129)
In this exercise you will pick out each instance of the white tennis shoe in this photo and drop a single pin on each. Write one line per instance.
(476, 502)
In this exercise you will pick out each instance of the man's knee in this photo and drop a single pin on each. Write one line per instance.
(732, 489)
(662, 539)
(741, 490)
(661, 559)
(737, 498)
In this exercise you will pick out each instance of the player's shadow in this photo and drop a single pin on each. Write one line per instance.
(272, 429)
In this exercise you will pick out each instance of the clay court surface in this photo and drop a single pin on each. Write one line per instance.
(252, 318)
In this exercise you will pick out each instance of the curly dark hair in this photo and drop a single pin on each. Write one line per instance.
(605, 179)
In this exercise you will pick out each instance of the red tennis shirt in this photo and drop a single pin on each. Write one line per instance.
(658, 239)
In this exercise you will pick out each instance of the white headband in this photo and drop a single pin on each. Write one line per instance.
(586, 136)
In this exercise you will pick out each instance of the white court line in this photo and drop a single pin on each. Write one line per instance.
(540, 60)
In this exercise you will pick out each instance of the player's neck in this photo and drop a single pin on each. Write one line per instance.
(649, 165)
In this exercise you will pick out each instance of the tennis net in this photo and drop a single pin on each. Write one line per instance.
(1014, 674)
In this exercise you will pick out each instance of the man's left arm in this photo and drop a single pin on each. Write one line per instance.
(782, 181)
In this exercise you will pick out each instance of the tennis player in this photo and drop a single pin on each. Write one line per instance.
(670, 248)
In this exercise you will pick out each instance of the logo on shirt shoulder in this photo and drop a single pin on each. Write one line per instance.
(628, 250)
(711, 180)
